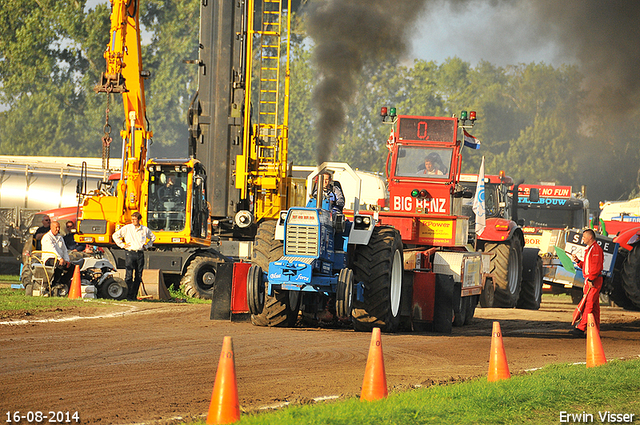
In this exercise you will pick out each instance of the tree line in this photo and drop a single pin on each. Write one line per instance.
(536, 122)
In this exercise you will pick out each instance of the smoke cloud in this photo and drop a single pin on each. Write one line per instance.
(601, 36)
(348, 33)
(604, 37)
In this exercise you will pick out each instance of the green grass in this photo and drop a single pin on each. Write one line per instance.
(532, 398)
(15, 299)
(9, 278)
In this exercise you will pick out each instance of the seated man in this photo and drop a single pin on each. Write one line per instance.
(53, 243)
(69, 241)
(171, 191)
(332, 191)
(432, 165)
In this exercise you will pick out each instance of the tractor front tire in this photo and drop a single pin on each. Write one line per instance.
(506, 267)
(280, 308)
(379, 265)
(255, 289)
(531, 290)
(344, 294)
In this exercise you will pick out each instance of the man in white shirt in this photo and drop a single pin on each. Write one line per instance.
(53, 243)
(134, 238)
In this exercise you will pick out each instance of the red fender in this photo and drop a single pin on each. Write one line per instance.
(498, 229)
(628, 237)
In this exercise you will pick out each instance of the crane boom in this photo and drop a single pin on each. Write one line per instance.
(124, 75)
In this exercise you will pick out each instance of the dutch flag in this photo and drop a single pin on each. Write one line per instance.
(470, 141)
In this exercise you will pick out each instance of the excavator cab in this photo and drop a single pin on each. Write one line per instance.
(177, 210)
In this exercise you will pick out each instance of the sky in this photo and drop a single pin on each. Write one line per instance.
(479, 31)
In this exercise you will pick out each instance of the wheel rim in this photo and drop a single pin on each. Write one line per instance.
(396, 283)
(207, 279)
(114, 290)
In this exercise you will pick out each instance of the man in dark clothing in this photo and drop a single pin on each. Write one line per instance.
(69, 241)
(41, 231)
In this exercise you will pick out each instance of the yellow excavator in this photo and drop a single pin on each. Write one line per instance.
(204, 209)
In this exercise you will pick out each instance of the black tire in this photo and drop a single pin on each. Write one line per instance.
(631, 276)
(460, 311)
(344, 294)
(379, 265)
(61, 290)
(506, 267)
(487, 297)
(200, 277)
(471, 309)
(615, 285)
(281, 308)
(113, 288)
(255, 289)
(531, 289)
(26, 280)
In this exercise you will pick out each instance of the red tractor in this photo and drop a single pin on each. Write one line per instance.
(429, 203)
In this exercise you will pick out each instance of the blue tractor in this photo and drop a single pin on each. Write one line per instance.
(331, 268)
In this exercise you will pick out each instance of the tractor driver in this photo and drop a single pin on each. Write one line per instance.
(171, 191)
(432, 164)
(332, 191)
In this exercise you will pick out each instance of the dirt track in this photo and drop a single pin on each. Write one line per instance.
(154, 362)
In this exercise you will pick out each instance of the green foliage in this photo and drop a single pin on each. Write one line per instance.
(533, 119)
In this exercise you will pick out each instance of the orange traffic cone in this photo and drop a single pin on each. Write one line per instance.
(595, 353)
(76, 288)
(224, 407)
(374, 386)
(498, 367)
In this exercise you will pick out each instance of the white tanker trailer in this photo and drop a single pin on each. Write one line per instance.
(29, 184)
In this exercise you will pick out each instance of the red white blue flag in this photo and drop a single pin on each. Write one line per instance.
(470, 141)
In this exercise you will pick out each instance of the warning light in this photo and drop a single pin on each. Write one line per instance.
(383, 111)
(463, 115)
(392, 112)
(472, 115)
(423, 193)
(501, 175)
(415, 193)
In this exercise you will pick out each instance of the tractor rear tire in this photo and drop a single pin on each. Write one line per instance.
(506, 267)
(379, 265)
(631, 277)
(200, 277)
(531, 289)
(614, 286)
(281, 308)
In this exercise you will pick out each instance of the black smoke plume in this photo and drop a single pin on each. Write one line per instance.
(347, 33)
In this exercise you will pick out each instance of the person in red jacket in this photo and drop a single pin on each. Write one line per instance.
(592, 270)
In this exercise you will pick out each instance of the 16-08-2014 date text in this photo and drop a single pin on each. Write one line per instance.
(37, 416)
